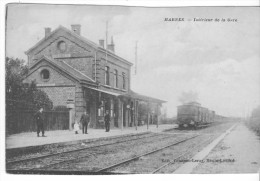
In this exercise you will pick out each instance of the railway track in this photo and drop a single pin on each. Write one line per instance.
(77, 149)
(141, 155)
(65, 159)
(184, 155)
(178, 157)
(100, 171)
(109, 168)
(12, 161)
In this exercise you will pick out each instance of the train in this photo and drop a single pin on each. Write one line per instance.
(193, 115)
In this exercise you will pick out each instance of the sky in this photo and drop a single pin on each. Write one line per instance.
(217, 63)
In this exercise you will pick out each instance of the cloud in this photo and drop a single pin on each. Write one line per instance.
(224, 86)
(187, 97)
(219, 61)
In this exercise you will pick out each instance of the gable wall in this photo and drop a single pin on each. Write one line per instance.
(83, 64)
(49, 47)
(81, 56)
(59, 95)
(59, 87)
(113, 64)
(56, 77)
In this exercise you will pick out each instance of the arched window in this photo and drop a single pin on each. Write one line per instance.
(107, 75)
(62, 46)
(115, 78)
(45, 74)
(124, 83)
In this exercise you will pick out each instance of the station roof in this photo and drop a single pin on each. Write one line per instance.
(103, 91)
(131, 94)
(140, 97)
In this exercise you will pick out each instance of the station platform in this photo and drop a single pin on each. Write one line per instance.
(30, 138)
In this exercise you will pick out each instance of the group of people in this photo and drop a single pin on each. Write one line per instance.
(84, 121)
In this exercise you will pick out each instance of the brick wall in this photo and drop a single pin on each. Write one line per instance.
(71, 48)
(83, 64)
(82, 57)
(50, 47)
(59, 87)
(56, 77)
(80, 103)
(59, 95)
(113, 64)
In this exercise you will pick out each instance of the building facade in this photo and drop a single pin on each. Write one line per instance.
(84, 76)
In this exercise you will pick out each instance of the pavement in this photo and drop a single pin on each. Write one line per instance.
(238, 152)
(200, 157)
(30, 138)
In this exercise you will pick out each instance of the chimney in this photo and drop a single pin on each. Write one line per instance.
(102, 43)
(76, 28)
(111, 46)
(47, 32)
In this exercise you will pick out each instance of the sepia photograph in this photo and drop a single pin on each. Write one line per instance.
(119, 90)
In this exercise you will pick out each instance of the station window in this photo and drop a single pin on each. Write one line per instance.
(124, 83)
(62, 46)
(45, 74)
(115, 78)
(107, 75)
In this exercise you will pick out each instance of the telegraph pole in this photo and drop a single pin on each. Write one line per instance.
(106, 38)
(136, 57)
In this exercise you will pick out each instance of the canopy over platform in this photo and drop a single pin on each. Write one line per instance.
(103, 91)
(140, 97)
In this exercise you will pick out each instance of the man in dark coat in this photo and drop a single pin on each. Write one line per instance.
(39, 122)
(84, 122)
(107, 121)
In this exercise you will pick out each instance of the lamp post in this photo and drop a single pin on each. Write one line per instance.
(128, 110)
(157, 118)
(152, 115)
(136, 114)
(148, 116)
(133, 117)
(71, 107)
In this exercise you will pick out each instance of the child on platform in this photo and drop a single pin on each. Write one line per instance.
(76, 127)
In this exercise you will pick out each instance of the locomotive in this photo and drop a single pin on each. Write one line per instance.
(192, 114)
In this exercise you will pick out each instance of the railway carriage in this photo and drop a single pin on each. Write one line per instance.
(192, 114)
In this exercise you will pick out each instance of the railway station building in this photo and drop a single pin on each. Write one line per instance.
(81, 75)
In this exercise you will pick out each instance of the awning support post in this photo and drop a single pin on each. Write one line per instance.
(135, 113)
(148, 116)
(122, 114)
(157, 113)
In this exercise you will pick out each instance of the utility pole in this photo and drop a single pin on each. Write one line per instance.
(106, 38)
(148, 114)
(136, 57)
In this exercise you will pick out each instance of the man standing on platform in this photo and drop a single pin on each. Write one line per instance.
(39, 122)
(107, 121)
(84, 122)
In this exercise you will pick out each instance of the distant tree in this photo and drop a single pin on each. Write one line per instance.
(15, 71)
(256, 112)
(20, 95)
(37, 97)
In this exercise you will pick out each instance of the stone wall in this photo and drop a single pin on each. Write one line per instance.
(113, 64)
(59, 95)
